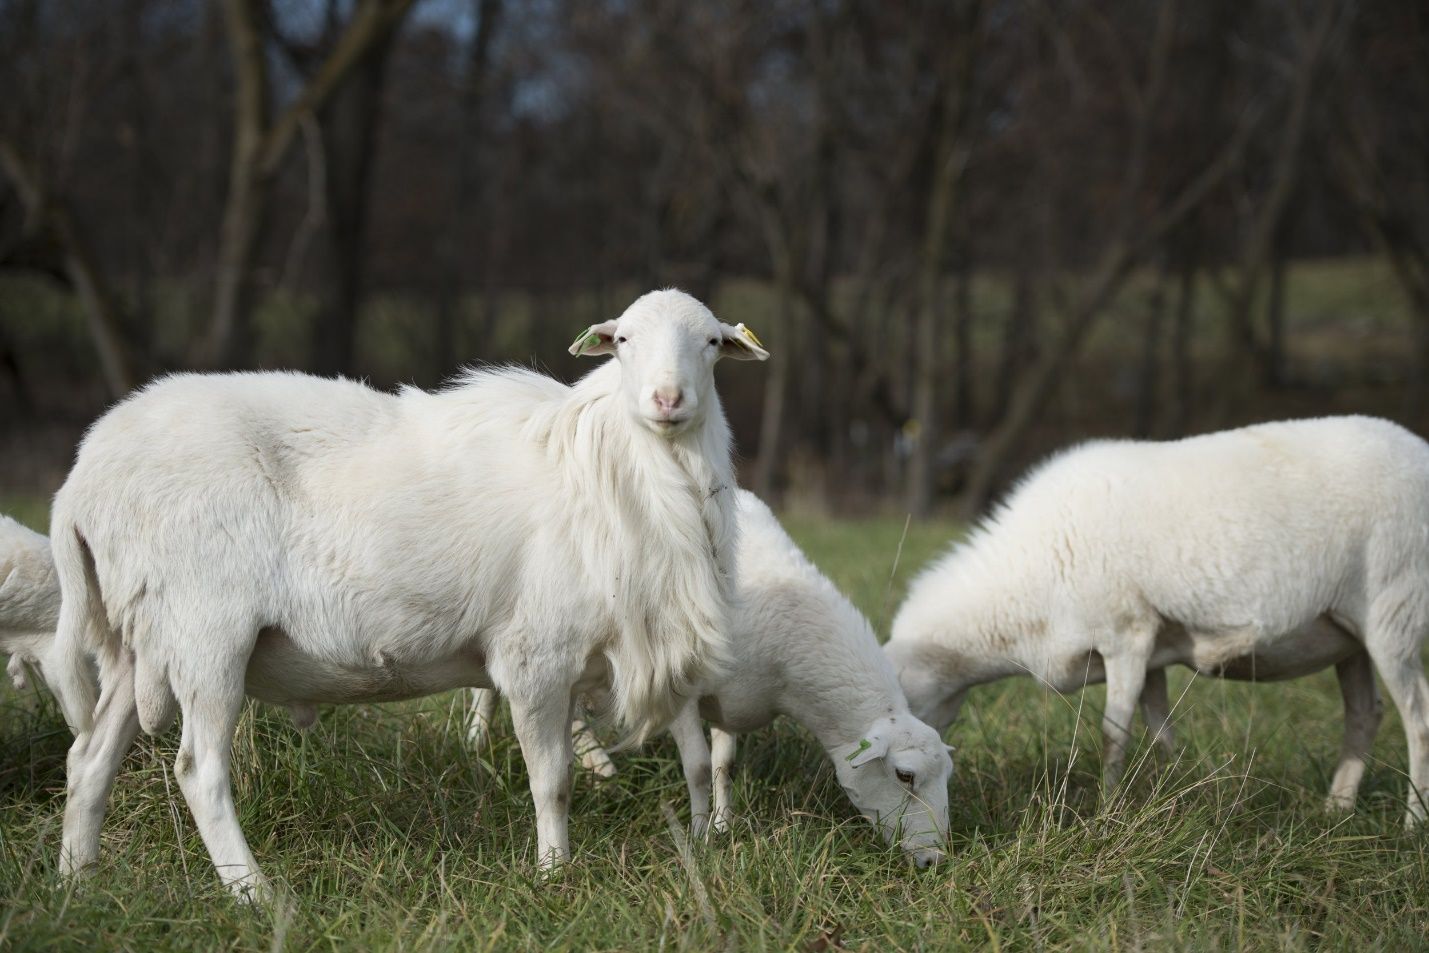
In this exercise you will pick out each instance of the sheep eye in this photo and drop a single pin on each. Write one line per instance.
(621, 339)
(906, 777)
(714, 342)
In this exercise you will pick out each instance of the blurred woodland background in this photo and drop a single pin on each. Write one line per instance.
(970, 231)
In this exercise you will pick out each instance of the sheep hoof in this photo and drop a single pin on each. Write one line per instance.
(602, 769)
(1340, 804)
(254, 891)
(16, 669)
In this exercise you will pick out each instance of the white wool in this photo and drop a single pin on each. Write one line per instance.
(411, 528)
(801, 649)
(1234, 553)
(29, 598)
(317, 541)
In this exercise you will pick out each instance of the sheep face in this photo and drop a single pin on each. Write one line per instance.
(897, 776)
(667, 344)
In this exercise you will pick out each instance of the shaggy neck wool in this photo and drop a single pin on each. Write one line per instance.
(662, 534)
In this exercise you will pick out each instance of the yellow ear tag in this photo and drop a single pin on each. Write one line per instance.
(749, 334)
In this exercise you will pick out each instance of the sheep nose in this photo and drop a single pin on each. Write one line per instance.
(667, 399)
(926, 857)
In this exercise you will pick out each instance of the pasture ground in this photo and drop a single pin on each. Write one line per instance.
(389, 835)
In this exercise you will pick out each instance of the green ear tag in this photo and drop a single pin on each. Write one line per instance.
(584, 343)
(747, 332)
(863, 745)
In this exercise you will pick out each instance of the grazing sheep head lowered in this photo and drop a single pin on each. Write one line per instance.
(667, 343)
(897, 775)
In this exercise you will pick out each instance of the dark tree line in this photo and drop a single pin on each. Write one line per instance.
(936, 207)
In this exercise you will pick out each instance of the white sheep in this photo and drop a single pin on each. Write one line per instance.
(801, 649)
(29, 599)
(1266, 552)
(315, 541)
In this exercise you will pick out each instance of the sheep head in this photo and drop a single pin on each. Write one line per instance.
(897, 776)
(667, 344)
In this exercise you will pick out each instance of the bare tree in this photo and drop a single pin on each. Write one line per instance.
(1265, 221)
(50, 217)
(956, 72)
(1132, 236)
(1379, 150)
(470, 182)
(261, 144)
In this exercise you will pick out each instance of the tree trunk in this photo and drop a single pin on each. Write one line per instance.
(470, 180)
(1018, 333)
(259, 149)
(1182, 358)
(776, 387)
(350, 124)
(949, 158)
(1269, 219)
(101, 309)
(1148, 377)
(229, 338)
(1275, 317)
(964, 410)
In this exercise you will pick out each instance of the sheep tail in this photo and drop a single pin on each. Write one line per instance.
(82, 630)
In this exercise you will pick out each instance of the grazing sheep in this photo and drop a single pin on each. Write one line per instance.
(1261, 553)
(314, 541)
(801, 649)
(29, 599)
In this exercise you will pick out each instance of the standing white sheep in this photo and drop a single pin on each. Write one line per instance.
(1266, 552)
(314, 541)
(29, 599)
(801, 649)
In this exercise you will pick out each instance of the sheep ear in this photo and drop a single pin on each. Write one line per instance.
(869, 749)
(741, 344)
(595, 340)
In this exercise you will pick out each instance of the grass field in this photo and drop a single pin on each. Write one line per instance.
(389, 835)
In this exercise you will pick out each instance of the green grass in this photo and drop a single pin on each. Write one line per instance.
(390, 835)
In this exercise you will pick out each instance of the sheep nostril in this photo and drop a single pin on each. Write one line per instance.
(668, 399)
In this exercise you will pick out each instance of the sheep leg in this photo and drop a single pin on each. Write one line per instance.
(589, 750)
(689, 737)
(478, 718)
(1394, 648)
(1156, 710)
(543, 727)
(94, 760)
(1363, 712)
(1125, 678)
(722, 744)
(210, 715)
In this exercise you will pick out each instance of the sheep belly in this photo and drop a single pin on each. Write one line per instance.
(1247, 654)
(1308, 649)
(281, 673)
